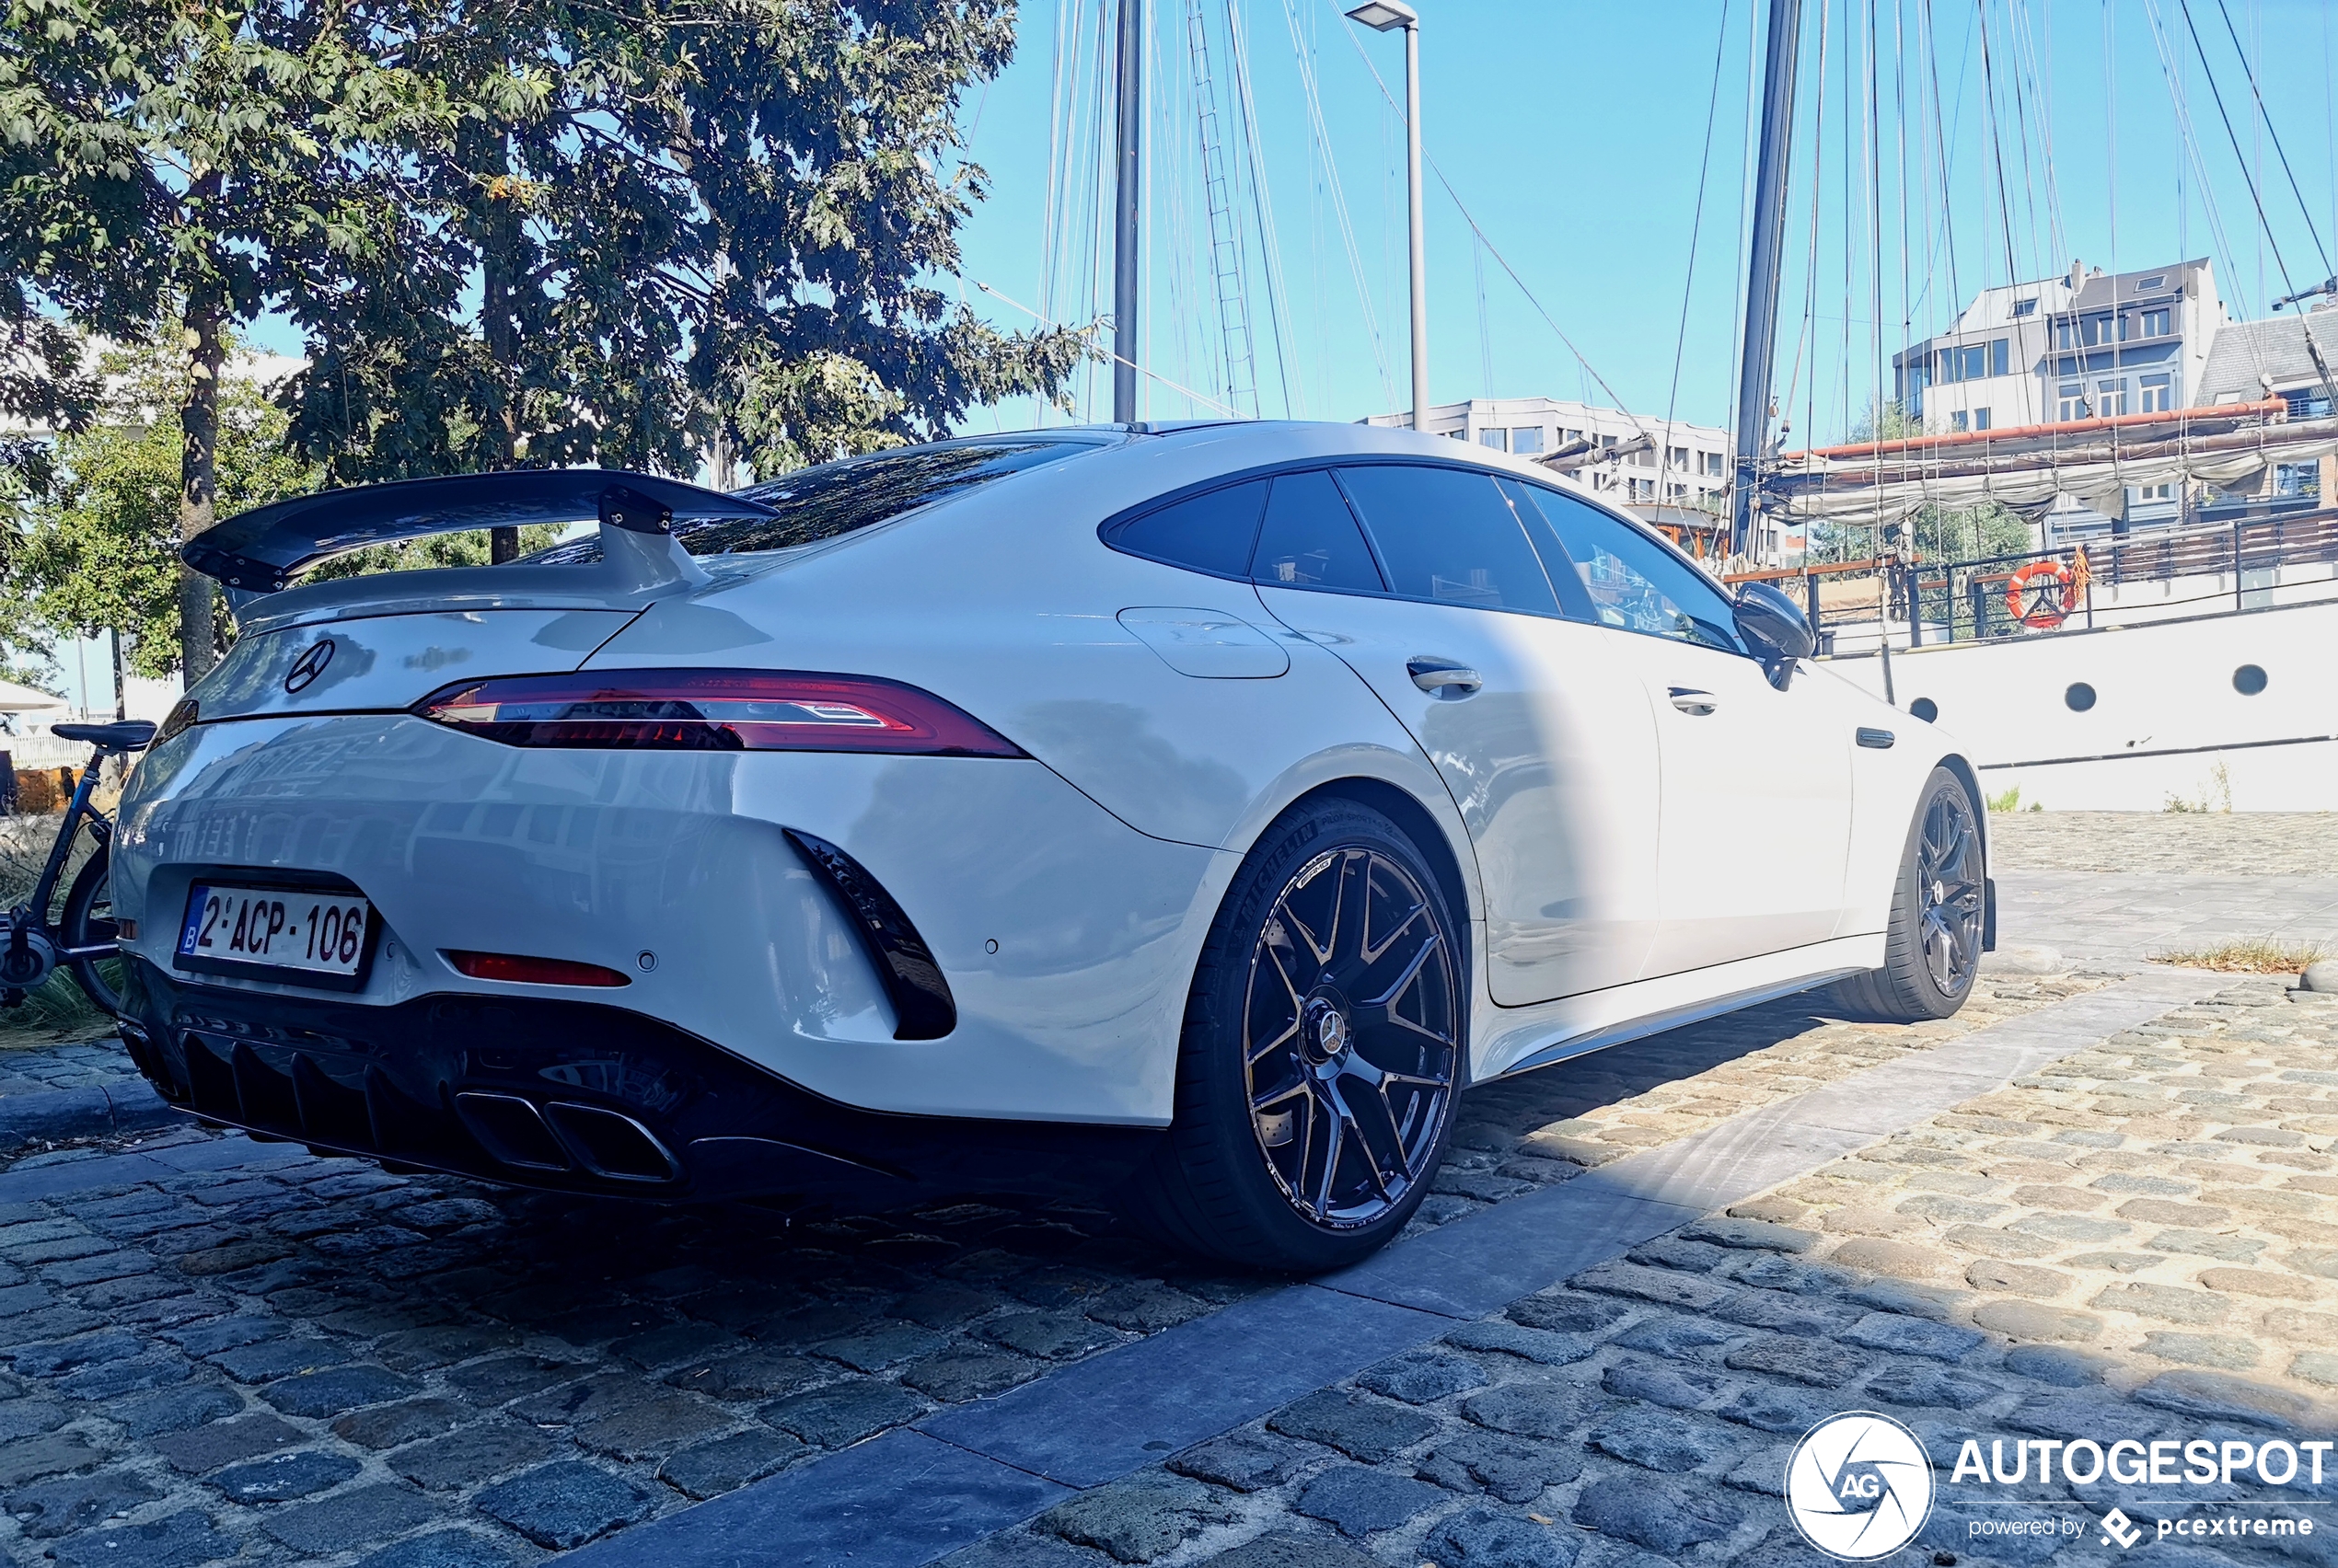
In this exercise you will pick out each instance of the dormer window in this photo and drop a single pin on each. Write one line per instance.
(2158, 283)
(2025, 306)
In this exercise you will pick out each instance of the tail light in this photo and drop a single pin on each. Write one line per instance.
(527, 971)
(713, 710)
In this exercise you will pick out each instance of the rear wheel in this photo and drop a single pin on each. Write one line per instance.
(1321, 1051)
(1933, 948)
(89, 920)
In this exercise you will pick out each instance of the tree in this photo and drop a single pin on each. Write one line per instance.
(196, 163)
(102, 550)
(687, 237)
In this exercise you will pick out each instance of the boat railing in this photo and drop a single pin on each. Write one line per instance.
(2106, 579)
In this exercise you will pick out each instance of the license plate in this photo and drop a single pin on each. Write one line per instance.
(304, 936)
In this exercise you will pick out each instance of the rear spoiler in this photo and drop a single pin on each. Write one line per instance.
(261, 550)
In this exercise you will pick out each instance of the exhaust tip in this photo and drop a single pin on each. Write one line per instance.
(611, 1145)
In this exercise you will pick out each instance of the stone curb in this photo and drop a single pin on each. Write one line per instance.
(58, 1115)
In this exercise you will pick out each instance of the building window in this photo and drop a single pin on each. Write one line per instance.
(2158, 394)
(2025, 307)
(1999, 355)
(2296, 479)
(1957, 422)
(2065, 334)
(2074, 401)
(2155, 323)
(2157, 492)
(1526, 438)
(1643, 490)
(1676, 492)
(1713, 465)
(2110, 399)
(1497, 439)
(1980, 418)
(2096, 329)
(1677, 457)
(2158, 283)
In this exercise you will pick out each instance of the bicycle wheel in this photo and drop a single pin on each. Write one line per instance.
(88, 919)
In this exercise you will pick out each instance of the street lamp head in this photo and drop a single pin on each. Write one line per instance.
(1385, 16)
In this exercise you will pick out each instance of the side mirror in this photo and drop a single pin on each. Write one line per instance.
(1775, 628)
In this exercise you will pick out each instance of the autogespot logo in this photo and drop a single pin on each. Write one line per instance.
(1858, 1486)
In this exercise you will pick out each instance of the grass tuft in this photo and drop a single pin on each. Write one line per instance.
(2260, 955)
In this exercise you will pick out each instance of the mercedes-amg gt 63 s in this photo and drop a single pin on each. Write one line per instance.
(1182, 813)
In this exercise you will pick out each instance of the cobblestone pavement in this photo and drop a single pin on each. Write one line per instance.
(295, 1359)
(309, 1360)
(2222, 844)
(2126, 886)
(31, 1069)
(2135, 1242)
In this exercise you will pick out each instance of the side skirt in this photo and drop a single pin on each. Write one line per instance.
(1555, 1031)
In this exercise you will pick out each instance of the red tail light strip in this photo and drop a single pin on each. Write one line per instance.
(532, 971)
(713, 710)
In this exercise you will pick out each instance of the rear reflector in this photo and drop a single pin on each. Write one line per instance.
(532, 971)
(713, 710)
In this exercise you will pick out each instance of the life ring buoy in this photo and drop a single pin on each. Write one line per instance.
(2046, 611)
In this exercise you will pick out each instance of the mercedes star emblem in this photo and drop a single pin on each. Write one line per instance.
(310, 665)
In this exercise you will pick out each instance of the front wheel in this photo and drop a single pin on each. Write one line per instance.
(1932, 951)
(1321, 1051)
(88, 921)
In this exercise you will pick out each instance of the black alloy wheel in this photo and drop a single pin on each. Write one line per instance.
(1932, 948)
(1321, 1053)
(1949, 891)
(1349, 1045)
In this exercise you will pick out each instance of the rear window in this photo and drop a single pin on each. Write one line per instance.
(833, 499)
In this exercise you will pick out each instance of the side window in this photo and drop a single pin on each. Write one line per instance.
(1446, 535)
(1631, 582)
(1574, 600)
(1309, 538)
(1208, 533)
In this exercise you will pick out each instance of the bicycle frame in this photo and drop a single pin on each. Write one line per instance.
(77, 811)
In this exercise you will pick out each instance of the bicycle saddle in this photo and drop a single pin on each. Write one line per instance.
(123, 734)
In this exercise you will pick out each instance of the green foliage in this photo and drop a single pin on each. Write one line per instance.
(686, 238)
(1932, 533)
(432, 550)
(1883, 420)
(101, 552)
(2008, 802)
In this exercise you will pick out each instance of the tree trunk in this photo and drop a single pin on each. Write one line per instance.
(199, 471)
(499, 264)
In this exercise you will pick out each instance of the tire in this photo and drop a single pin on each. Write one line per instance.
(87, 918)
(1315, 1075)
(1932, 949)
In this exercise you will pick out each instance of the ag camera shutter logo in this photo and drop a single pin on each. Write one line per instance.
(1858, 1486)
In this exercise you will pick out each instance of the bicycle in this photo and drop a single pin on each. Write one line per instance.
(84, 932)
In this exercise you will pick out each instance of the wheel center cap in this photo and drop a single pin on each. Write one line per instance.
(1322, 1031)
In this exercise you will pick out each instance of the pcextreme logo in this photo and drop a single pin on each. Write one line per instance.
(1858, 1486)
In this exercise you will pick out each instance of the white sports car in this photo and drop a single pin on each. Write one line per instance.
(1187, 813)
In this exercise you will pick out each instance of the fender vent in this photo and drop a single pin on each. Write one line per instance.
(922, 1005)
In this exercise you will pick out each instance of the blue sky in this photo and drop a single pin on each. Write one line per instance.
(1576, 133)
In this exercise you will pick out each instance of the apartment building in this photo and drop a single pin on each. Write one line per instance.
(2088, 345)
(1679, 466)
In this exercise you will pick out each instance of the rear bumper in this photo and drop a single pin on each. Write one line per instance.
(1067, 939)
(570, 1096)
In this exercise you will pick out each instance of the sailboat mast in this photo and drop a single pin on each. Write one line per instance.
(1760, 343)
(1131, 84)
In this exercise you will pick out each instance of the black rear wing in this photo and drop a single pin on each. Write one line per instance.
(261, 552)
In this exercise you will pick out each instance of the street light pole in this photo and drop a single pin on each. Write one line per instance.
(1128, 193)
(1387, 16)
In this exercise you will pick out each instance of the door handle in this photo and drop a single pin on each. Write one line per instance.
(1443, 675)
(1688, 700)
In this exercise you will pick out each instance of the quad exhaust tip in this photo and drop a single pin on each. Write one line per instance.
(562, 1135)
